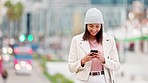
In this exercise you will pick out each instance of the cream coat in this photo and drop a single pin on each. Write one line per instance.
(80, 48)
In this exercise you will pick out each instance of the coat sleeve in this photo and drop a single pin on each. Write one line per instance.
(74, 64)
(112, 61)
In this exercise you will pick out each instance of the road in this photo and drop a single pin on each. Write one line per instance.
(133, 70)
(35, 77)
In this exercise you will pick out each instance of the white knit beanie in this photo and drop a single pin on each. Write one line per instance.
(93, 15)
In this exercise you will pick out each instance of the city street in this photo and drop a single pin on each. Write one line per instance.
(35, 77)
(134, 70)
(46, 29)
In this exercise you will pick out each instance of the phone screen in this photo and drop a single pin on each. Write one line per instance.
(95, 51)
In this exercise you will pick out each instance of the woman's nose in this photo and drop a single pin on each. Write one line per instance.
(94, 29)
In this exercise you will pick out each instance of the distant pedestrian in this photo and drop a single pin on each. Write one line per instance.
(93, 54)
(1, 66)
(4, 75)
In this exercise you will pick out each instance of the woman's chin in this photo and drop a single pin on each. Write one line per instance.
(93, 34)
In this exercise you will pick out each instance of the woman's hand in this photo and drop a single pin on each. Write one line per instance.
(99, 56)
(87, 58)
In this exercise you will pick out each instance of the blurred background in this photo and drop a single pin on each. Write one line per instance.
(35, 37)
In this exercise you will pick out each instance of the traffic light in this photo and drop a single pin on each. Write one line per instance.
(30, 37)
(22, 38)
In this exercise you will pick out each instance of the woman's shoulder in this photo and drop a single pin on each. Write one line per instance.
(78, 36)
(108, 36)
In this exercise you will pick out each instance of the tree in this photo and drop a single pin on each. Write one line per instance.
(14, 15)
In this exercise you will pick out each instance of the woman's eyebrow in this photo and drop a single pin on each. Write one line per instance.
(90, 25)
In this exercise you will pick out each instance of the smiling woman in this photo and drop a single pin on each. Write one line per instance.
(90, 66)
(93, 28)
(93, 31)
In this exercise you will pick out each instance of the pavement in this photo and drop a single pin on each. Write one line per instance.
(36, 69)
(39, 71)
(133, 70)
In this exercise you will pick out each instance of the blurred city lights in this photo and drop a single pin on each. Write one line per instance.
(4, 49)
(10, 50)
(22, 38)
(28, 67)
(131, 15)
(6, 57)
(17, 67)
(30, 38)
(12, 41)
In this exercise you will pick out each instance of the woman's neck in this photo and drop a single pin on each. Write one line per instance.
(91, 38)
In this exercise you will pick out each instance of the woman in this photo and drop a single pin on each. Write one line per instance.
(89, 66)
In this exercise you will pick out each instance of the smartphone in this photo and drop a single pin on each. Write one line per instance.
(93, 51)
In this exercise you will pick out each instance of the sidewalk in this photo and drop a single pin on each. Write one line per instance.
(134, 70)
(38, 70)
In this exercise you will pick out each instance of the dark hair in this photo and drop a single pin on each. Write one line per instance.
(99, 35)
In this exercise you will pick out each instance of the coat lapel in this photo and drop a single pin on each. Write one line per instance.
(106, 45)
(85, 46)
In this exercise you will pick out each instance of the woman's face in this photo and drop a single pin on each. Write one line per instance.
(93, 28)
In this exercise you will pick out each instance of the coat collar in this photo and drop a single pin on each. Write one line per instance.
(86, 47)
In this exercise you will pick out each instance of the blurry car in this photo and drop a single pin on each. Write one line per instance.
(23, 59)
(7, 52)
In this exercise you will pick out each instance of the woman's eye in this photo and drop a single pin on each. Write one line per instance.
(98, 26)
(90, 26)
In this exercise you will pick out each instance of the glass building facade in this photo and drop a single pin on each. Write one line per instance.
(66, 18)
(117, 2)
